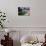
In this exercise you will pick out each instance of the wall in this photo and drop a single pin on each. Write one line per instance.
(38, 18)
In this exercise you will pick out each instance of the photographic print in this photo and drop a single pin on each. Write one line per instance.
(23, 11)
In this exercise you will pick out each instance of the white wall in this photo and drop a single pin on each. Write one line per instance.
(38, 18)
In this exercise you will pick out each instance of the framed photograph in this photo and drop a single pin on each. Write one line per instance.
(24, 11)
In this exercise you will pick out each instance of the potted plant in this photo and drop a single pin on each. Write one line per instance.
(2, 19)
